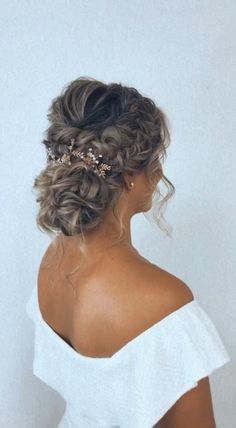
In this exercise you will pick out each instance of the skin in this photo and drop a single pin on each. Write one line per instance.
(113, 286)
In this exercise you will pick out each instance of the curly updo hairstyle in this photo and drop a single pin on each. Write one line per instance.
(130, 132)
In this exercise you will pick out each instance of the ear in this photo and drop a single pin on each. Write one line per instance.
(128, 177)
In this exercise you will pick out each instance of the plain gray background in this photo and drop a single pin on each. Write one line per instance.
(181, 54)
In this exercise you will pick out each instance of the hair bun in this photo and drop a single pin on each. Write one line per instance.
(127, 129)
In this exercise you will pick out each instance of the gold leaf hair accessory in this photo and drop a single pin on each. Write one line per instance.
(89, 159)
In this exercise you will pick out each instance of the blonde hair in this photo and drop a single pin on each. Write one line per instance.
(130, 132)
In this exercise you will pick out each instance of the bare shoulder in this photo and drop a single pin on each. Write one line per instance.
(164, 292)
(176, 291)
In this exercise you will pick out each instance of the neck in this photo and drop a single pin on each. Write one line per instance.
(104, 235)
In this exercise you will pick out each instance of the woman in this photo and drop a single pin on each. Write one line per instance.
(123, 341)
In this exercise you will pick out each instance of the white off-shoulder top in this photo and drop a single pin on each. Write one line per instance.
(137, 385)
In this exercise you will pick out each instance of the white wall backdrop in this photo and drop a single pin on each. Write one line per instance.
(180, 53)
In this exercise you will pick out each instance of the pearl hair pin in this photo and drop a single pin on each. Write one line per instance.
(89, 159)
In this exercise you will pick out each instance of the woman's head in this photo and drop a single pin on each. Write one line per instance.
(131, 133)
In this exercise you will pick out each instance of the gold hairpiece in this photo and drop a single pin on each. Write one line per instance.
(89, 159)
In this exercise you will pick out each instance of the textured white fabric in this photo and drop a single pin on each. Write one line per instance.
(137, 385)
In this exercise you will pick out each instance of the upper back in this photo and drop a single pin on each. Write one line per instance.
(163, 377)
(117, 298)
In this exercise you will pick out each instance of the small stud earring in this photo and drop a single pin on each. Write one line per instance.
(131, 183)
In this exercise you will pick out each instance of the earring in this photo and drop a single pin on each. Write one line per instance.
(131, 183)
